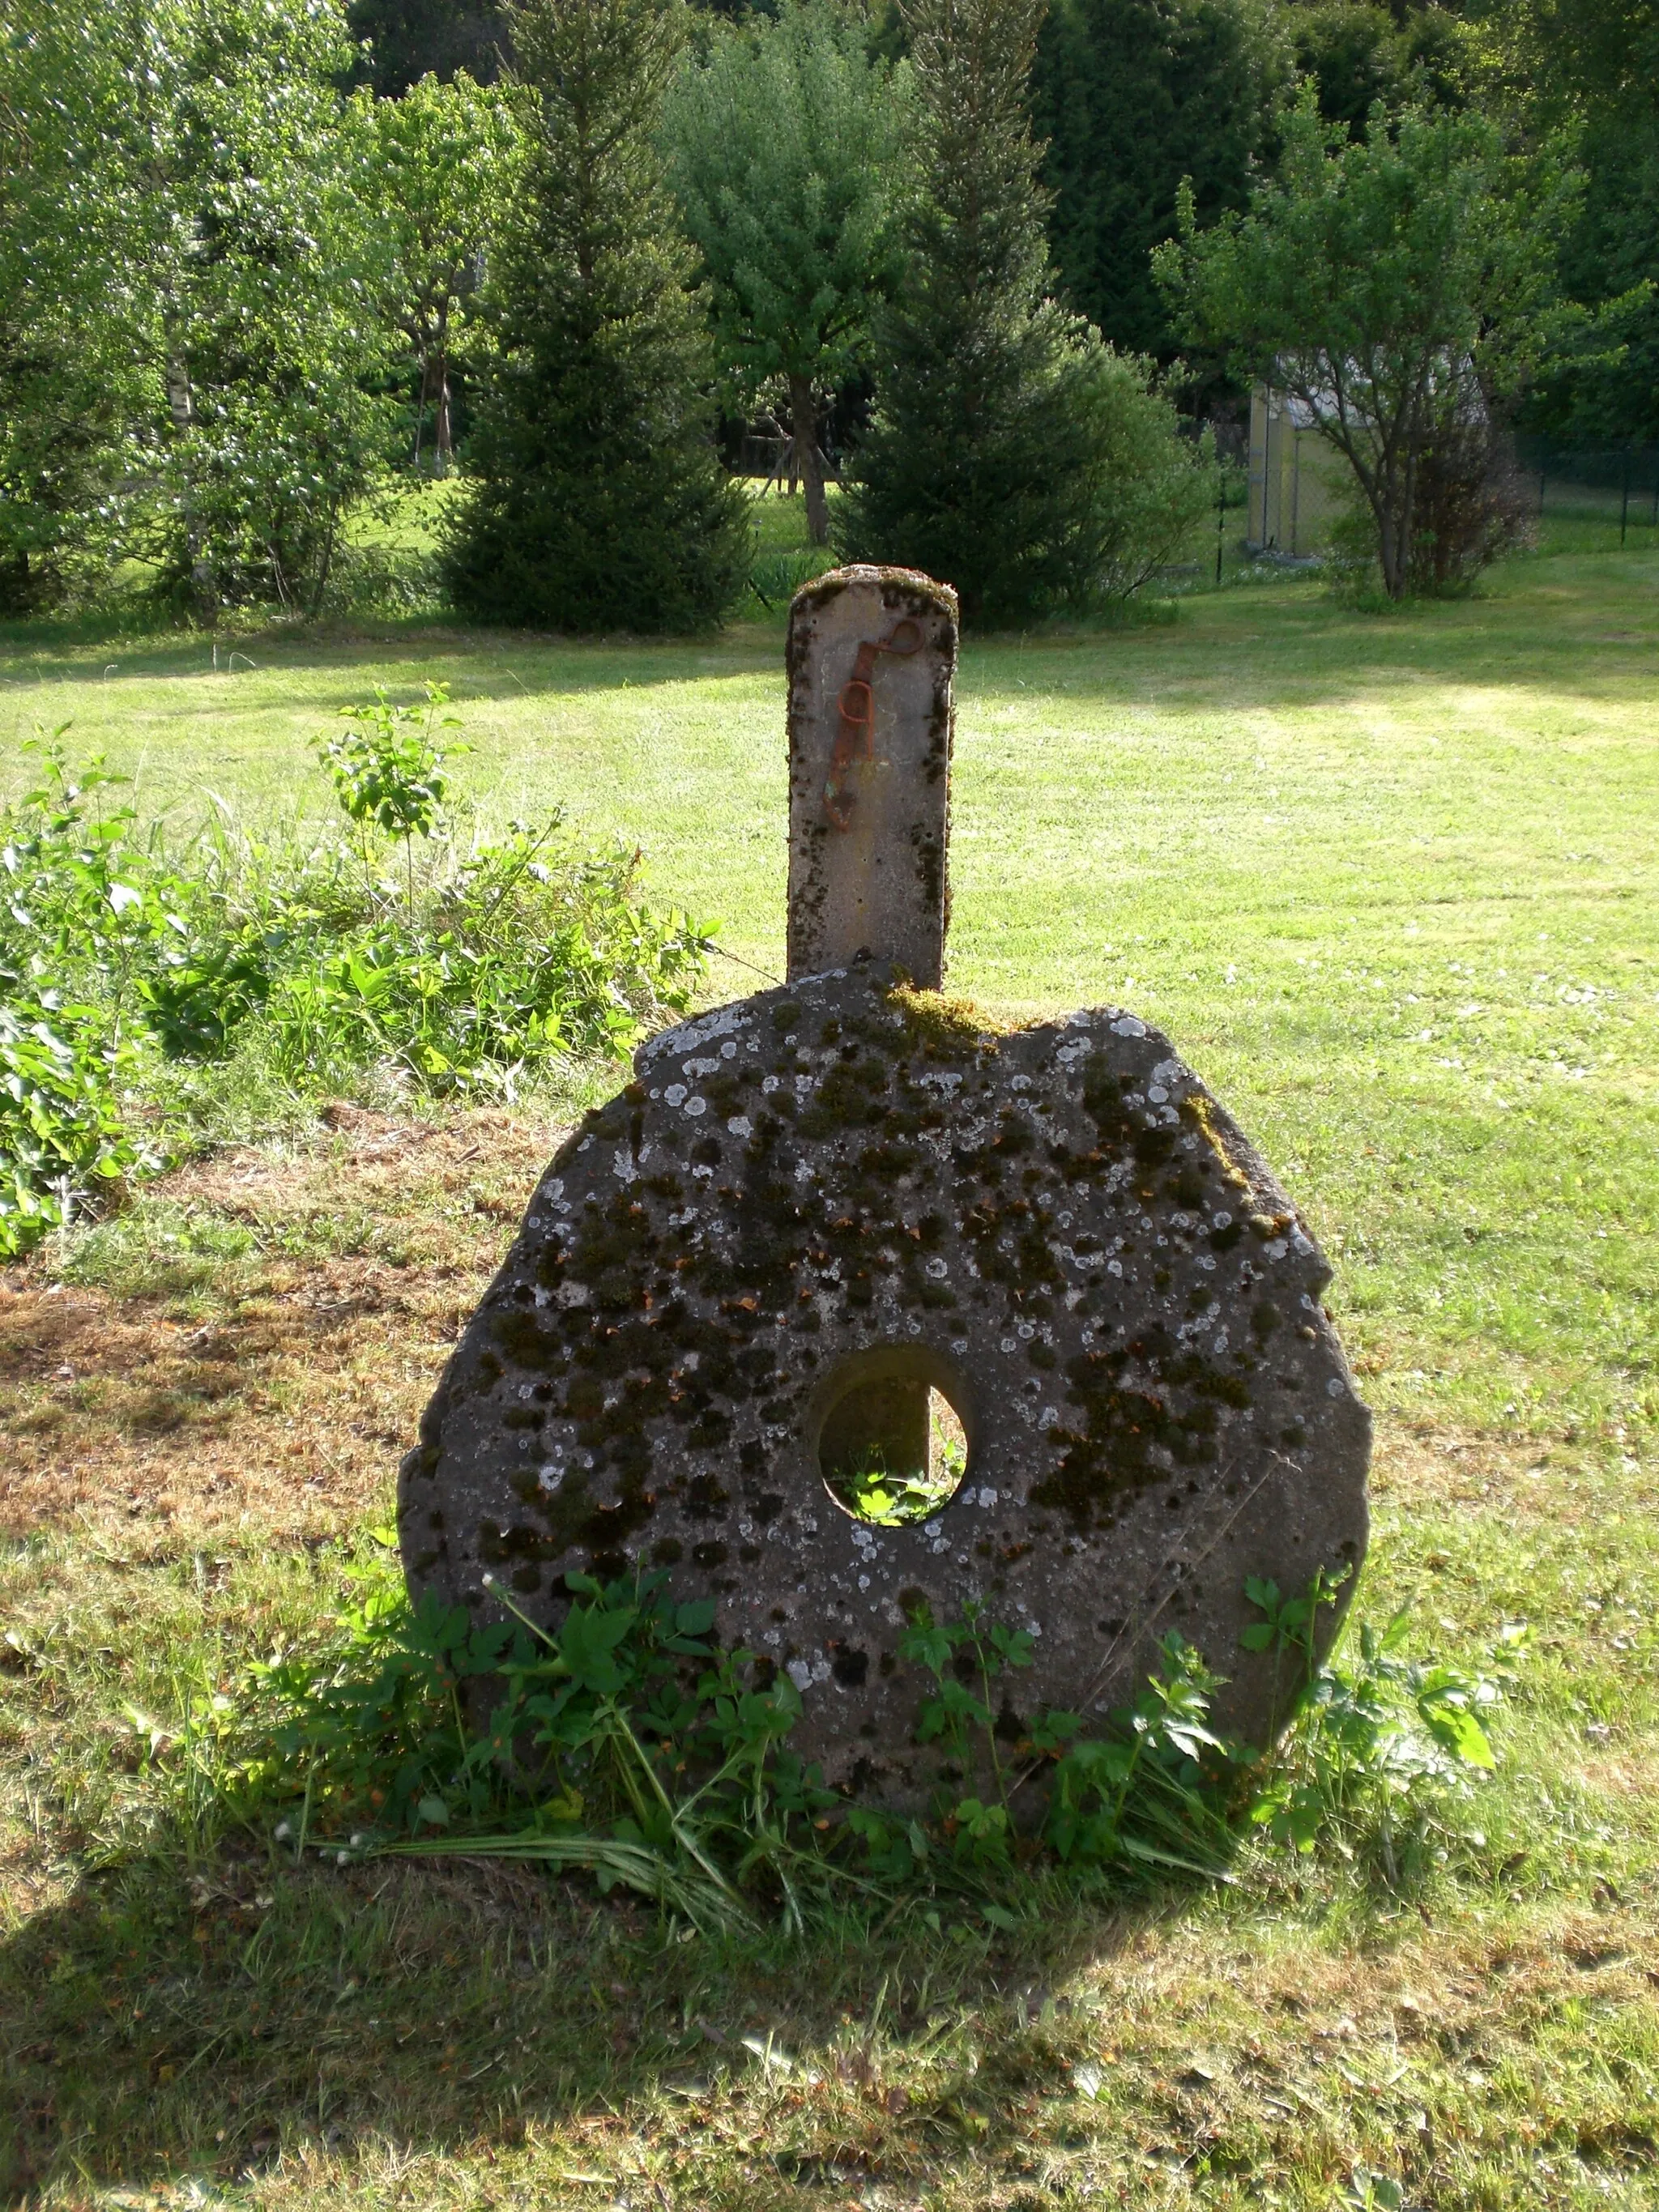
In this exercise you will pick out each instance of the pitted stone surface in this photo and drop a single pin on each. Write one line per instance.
(839, 1182)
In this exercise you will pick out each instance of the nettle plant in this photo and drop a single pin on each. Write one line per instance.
(628, 1743)
(504, 954)
(83, 905)
(1385, 1749)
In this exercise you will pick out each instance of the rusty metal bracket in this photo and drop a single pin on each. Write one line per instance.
(855, 737)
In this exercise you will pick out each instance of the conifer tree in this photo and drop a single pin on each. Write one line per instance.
(1132, 96)
(1010, 453)
(599, 501)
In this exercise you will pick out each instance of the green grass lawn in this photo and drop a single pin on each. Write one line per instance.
(1390, 882)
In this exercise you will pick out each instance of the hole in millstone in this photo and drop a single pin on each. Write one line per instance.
(892, 1450)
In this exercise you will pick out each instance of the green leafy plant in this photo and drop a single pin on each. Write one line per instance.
(84, 897)
(1383, 1748)
(62, 1128)
(888, 1500)
(386, 770)
(80, 907)
(1161, 1791)
(493, 959)
(973, 1652)
(623, 1741)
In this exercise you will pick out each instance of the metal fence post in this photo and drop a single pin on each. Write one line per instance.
(1624, 499)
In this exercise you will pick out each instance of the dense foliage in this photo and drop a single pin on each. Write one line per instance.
(407, 40)
(599, 501)
(473, 965)
(1132, 96)
(241, 301)
(441, 161)
(1401, 287)
(1011, 451)
(1592, 66)
(626, 1742)
(1358, 53)
(784, 144)
(187, 239)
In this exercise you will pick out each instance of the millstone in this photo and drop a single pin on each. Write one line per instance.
(843, 1193)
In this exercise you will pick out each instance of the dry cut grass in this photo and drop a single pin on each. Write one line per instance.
(176, 1378)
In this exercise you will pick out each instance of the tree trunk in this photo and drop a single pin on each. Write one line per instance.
(181, 405)
(442, 440)
(804, 423)
(420, 410)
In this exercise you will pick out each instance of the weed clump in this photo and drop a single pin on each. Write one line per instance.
(627, 1743)
(125, 964)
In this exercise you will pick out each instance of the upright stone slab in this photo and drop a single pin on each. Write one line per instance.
(872, 659)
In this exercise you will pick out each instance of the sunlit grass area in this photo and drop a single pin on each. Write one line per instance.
(1389, 883)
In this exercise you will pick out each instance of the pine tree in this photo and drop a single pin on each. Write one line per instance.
(599, 501)
(1132, 96)
(1005, 435)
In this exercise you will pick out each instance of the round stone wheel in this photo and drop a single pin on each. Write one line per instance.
(815, 1206)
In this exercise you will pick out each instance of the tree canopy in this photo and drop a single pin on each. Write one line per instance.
(191, 220)
(1002, 423)
(1132, 96)
(441, 161)
(1396, 286)
(1592, 66)
(785, 148)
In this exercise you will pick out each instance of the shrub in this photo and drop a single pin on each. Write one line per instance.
(1396, 286)
(1383, 1749)
(1471, 508)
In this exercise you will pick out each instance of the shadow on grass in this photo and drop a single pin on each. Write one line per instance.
(490, 664)
(159, 2023)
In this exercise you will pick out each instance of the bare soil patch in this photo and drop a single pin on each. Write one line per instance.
(281, 1389)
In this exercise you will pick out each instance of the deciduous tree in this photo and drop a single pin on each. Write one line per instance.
(68, 387)
(1593, 66)
(196, 236)
(442, 160)
(784, 149)
(1394, 286)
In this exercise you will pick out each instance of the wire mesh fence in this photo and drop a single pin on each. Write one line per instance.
(1605, 492)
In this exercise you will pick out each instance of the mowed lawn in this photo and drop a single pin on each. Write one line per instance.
(1389, 883)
